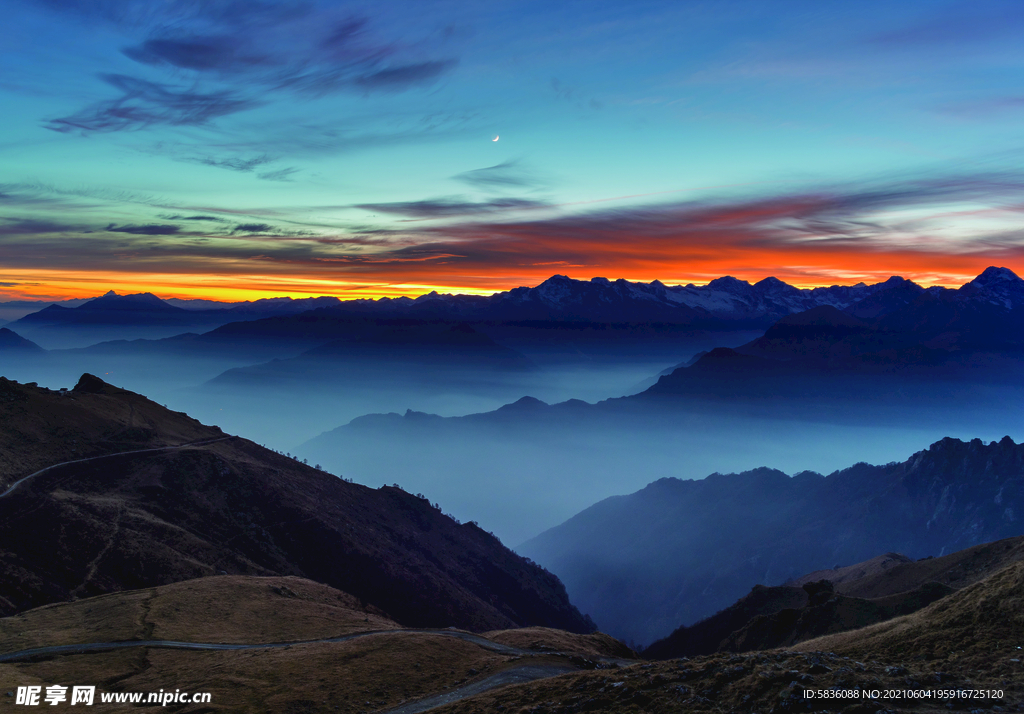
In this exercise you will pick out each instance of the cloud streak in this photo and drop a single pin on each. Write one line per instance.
(506, 175)
(143, 104)
(153, 229)
(451, 207)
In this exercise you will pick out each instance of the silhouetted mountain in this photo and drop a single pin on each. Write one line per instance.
(111, 308)
(11, 342)
(196, 502)
(998, 286)
(890, 296)
(722, 301)
(678, 551)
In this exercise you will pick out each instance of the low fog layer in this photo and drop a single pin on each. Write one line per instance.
(272, 392)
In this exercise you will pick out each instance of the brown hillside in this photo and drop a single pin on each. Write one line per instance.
(957, 570)
(40, 427)
(980, 628)
(821, 616)
(131, 521)
(858, 571)
(596, 644)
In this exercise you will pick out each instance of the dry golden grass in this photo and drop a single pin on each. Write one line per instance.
(223, 609)
(597, 644)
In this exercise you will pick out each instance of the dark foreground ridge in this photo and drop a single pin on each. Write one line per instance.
(131, 520)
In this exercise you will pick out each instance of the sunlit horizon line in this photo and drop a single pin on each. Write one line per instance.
(80, 287)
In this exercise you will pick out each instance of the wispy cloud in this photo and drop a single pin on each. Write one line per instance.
(143, 103)
(404, 76)
(451, 207)
(191, 218)
(153, 229)
(279, 175)
(222, 58)
(32, 226)
(233, 164)
(246, 165)
(507, 174)
(252, 228)
(985, 108)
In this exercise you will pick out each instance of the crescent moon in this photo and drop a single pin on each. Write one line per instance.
(495, 138)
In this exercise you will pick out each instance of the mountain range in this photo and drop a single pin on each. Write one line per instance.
(722, 303)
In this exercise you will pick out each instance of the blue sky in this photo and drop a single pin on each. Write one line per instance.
(237, 149)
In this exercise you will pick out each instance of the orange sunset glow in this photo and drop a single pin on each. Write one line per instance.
(934, 236)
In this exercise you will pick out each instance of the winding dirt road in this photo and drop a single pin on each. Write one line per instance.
(23, 479)
(513, 675)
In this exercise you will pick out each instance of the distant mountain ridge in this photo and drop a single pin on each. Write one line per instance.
(144, 315)
(10, 341)
(146, 307)
(677, 551)
(599, 299)
(724, 302)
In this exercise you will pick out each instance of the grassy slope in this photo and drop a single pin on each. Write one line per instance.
(366, 674)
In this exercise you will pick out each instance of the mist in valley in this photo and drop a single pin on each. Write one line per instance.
(385, 418)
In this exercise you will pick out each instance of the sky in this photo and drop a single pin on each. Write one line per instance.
(231, 150)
